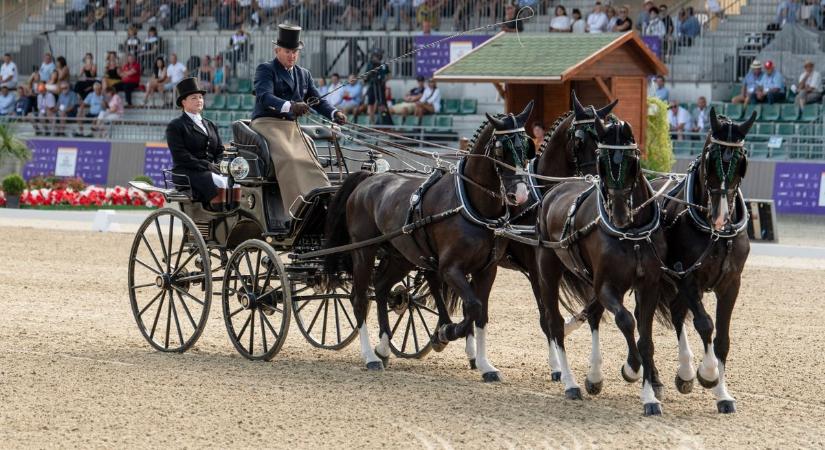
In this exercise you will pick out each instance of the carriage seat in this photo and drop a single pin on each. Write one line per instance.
(318, 132)
(258, 148)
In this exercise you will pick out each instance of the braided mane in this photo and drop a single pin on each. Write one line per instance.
(552, 130)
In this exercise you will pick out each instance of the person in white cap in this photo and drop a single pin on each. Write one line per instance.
(751, 82)
(809, 87)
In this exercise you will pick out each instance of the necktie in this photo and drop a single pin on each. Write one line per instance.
(294, 78)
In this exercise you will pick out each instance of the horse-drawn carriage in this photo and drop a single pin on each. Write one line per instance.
(247, 254)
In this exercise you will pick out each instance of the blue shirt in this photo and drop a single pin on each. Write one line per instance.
(772, 81)
(6, 104)
(690, 27)
(22, 106)
(752, 81)
(662, 93)
(95, 103)
(46, 71)
(68, 100)
(352, 92)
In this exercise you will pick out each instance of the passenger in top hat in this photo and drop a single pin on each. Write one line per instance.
(195, 146)
(283, 91)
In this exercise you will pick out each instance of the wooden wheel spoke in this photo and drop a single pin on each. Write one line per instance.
(140, 314)
(263, 330)
(157, 316)
(243, 329)
(151, 252)
(271, 328)
(168, 322)
(312, 324)
(406, 335)
(298, 310)
(179, 267)
(257, 272)
(346, 314)
(181, 291)
(185, 279)
(171, 237)
(337, 320)
(252, 331)
(395, 327)
(162, 244)
(144, 265)
(186, 309)
(235, 313)
(415, 335)
(180, 249)
(142, 286)
(272, 308)
(426, 328)
(177, 321)
(324, 325)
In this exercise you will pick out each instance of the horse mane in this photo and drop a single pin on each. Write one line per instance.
(553, 129)
(482, 133)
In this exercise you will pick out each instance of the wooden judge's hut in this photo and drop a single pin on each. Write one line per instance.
(546, 67)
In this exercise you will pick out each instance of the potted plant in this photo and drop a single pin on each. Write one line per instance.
(13, 186)
(11, 147)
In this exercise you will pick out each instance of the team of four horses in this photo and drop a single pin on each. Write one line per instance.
(582, 218)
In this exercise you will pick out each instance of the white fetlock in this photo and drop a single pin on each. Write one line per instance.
(483, 365)
(366, 349)
(685, 370)
(720, 391)
(470, 346)
(595, 375)
(573, 323)
(630, 374)
(709, 369)
(383, 347)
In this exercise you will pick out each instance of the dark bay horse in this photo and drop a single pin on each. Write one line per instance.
(605, 238)
(708, 249)
(457, 248)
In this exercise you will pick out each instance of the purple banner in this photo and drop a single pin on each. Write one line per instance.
(799, 188)
(430, 59)
(88, 160)
(157, 159)
(654, 43)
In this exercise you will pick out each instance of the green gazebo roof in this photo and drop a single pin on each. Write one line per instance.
(529, 56)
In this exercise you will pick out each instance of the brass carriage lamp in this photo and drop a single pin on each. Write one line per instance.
(234, 166)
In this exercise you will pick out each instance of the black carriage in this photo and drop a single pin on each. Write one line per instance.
(247, 254)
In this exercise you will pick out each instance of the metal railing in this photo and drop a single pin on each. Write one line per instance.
(760, 145)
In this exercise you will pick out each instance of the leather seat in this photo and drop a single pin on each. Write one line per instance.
(244, 134)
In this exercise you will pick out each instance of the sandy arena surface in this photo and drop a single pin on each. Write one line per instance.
(75, 372)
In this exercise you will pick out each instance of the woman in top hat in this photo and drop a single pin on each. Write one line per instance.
(195, 146)
(282, 92)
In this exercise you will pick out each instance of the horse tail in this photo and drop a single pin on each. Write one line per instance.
(336, 232)
(667, 295)
(576, 293)
(451, 299)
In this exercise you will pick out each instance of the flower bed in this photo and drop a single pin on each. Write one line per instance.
(88, 197)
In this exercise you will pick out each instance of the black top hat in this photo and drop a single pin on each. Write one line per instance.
(187, 87)
(289, 37)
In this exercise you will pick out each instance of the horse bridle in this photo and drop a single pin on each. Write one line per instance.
(576, 136)
(511, 140)
(737, 153)
(616, 183)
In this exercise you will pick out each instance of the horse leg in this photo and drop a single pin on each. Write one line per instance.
(551, 270)
(470, 348)
(384, 281)
(708, 371)
(648, 298)
(594, 380)
(363, 263)
(552, 354)
(725, 301)
(435, 284)
(685, 373)
(612, 301)
(482, 284)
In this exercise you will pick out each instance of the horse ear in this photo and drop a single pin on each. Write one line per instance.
(746, 126)
(714, 120)
(628, 131)
(599, 124)
(522, 117)
(607, 109)
(498, 124)
(577, 107)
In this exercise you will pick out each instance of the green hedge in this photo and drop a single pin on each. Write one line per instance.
(658, 147)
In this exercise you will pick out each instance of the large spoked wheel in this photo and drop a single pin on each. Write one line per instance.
(413, 317)
(256, 300)
(325, 317)
(170, 281)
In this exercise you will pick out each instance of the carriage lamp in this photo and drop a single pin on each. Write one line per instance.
(376, 164)
(237, 167)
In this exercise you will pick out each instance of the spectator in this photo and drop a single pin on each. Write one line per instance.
(91, 107)
(62, 70)
(700, 117)
(321, 84)
(689, 29)
(6, 101)
(268, 10)
(463, 10)
(238, 47)
(538, 135)
(113, 110)
(130, 77)
(750, 83)
(578, 24)
(53, 84)
(151, 48)
(46, 109)
(510, 24)
(142, 12)
(430, 102)
(220, 72)
(223, 15)
(679, 120)
(86, 77)
(402, 10)
(809, 87)
(715, 11)
(31, 86)
(787, 12)
(175, 72)
(47, 67)
(78, 10)
(667, 20)
(8, 72)
(644, 16)
(660, 91)
(351, 96)
(111, 75)
(132, 44)
(611, 18)
(23, 106)
(428, 13)
(561, 22)
(407, 107)
(771, 88)
(156, 82)
(205, 73)
(67, 104)
(180, 10)
(335, 90)
(623, 22)
(597, 20)
(655, 26)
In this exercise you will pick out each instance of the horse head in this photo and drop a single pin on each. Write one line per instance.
(722, 167)
(618, 167)
(582, 139)
(512, 146)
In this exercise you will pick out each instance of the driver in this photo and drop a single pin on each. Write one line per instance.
(282, 90)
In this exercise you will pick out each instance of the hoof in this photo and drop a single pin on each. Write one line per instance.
(491, 377)
(385, 360)
(593, 388)
(658, 390)
(626, 377)
(437, 342)
(375, 366)
(555, 376)
(684, 387)
(726, 406)
(705, 383)
(653, 409)
(573, 394)
(473, 364)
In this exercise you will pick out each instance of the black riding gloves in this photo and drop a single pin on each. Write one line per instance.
(299, 109)
(339, 118)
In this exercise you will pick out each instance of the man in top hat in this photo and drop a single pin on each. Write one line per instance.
(195, 145)
(282, 92)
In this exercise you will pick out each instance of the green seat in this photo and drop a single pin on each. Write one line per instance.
(733, 111)
(750, 109)
(770, 113)
(245, 86)
(682, 147)
(233, 102)
(248, 102)
(786, 129)
(469, 106)
(788, 112)
(410, 123)
(758, 150)
(428, 122)
(779, 153)
(763, 131)
(224, 117)
(397, 119)
(810, 112)
(451, 106)
(232, 85)
(444, 123)
(240, 115)
(219, 102)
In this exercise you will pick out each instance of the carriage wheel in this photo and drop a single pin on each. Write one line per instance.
(170, 281)
(256, 300)
(413, 317)
(325, 318)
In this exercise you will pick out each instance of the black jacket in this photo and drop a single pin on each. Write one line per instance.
(192, 151)
(274, 86)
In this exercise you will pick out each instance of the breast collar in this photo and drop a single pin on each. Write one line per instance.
(468, 212)
(634, 234)
(698, 221)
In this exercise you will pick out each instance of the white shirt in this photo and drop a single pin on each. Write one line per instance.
(682, 117)
(198, 121)
(814, 81)
(578, 26)
(9, 69)
(336, 96)
(561, 23)
(433, 97)
(176, 72)
(597, 22)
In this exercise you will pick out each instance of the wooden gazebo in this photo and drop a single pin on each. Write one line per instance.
(546, 67)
